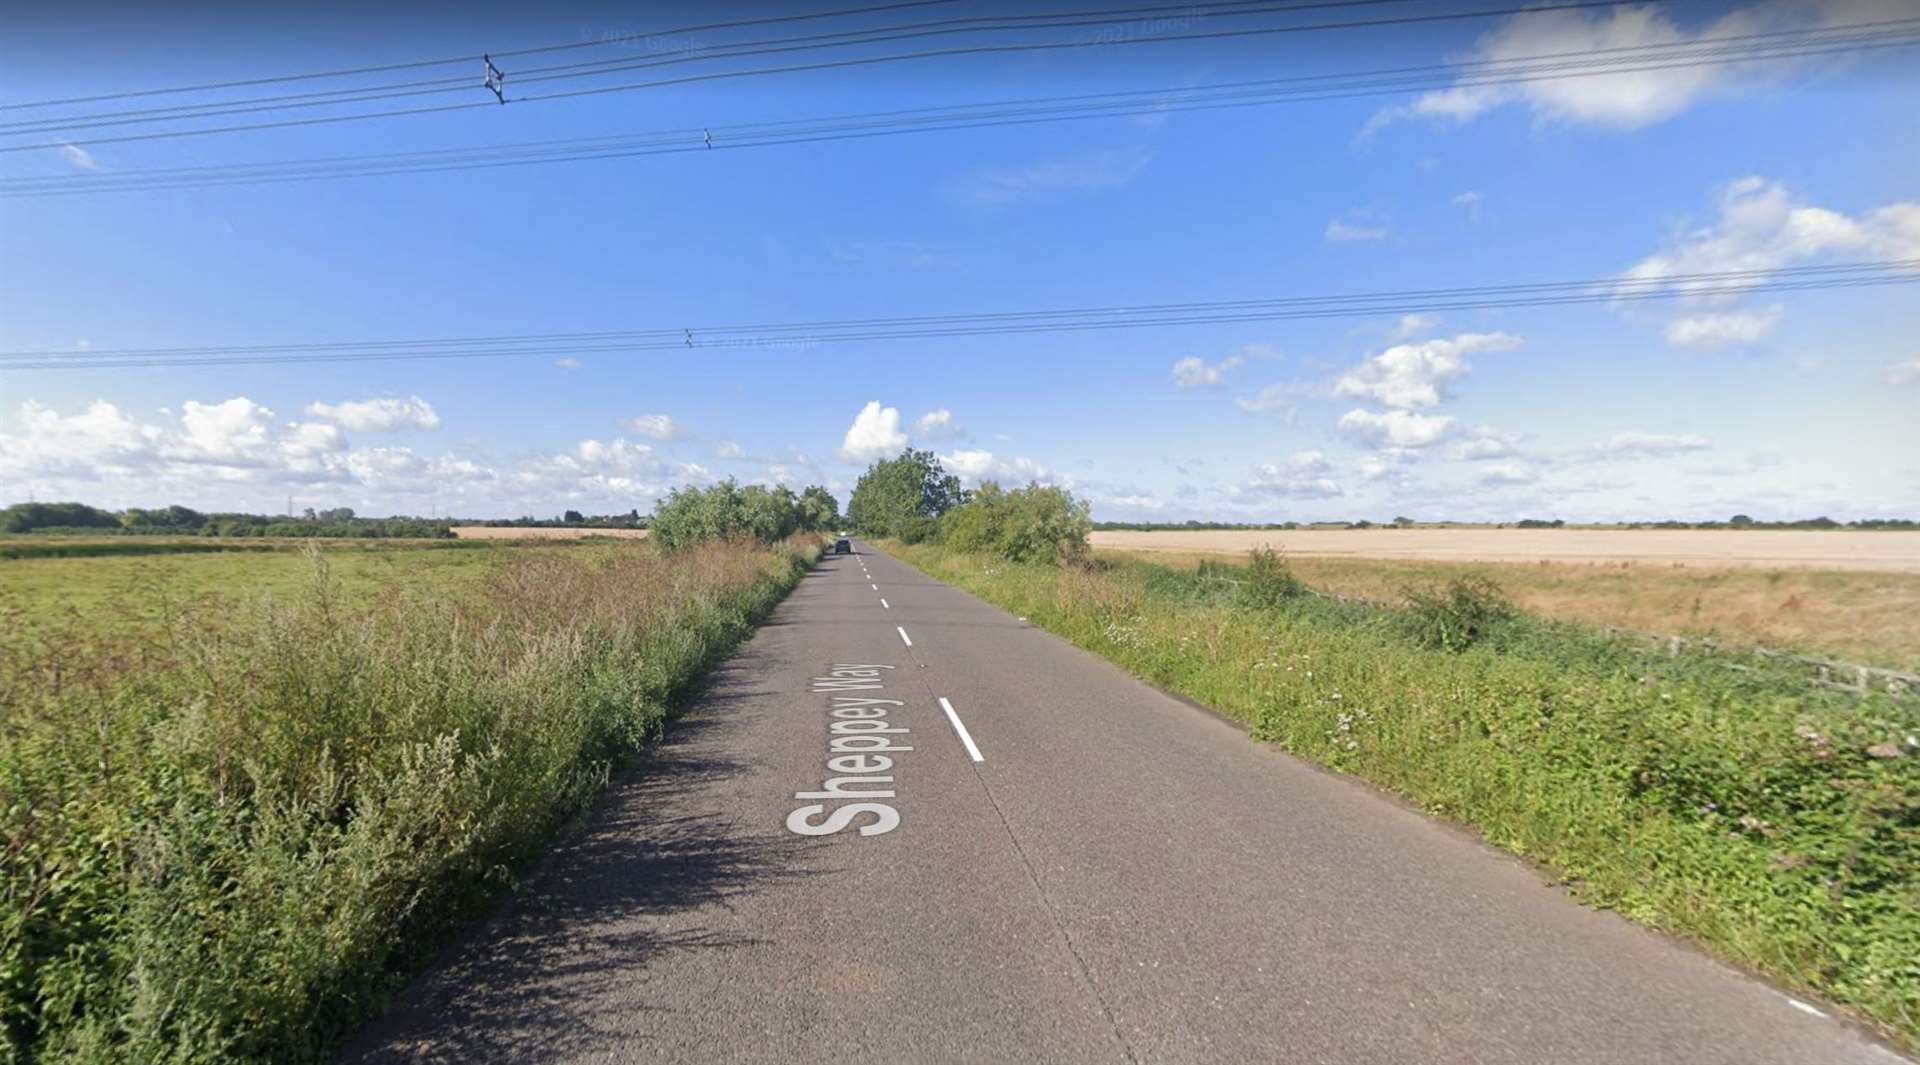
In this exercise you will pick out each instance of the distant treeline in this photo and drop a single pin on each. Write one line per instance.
(1738, 521)
(572, 519)
(184, 521)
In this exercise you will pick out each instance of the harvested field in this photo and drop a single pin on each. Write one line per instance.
(1891, 552)
(499, 532)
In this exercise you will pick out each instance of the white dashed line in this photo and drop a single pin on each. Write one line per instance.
(903, 635)
(965, 736)
(883, 603)
(875, 587)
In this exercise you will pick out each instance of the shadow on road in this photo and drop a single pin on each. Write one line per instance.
(554, 973)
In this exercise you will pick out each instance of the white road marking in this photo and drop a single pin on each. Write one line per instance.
(903, 635)
(875, 587)
(1799, 1005)
(965, 736)
(883, 602)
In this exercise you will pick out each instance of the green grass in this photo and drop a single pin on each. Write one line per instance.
(1737, 807)
(243, 796)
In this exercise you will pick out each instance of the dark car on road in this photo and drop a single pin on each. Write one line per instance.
(842, 547)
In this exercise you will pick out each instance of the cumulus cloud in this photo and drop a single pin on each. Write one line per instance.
(1622, 99)
(977, 465)
(1762, 227)
(1633, 444)
(1720, 330)
(1484, 442)
(657, 426)
(1301, 475)
(875, 433)
(1904, 373)
(1195, 372)
(937, 424)
(1409, 324)
(1416, 375)
(1396, 428)
(235, 454)
(378, 415)
(730, 450)
(1508, 473)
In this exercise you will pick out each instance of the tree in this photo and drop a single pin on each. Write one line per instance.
(574, 517)
(1032, 524)
(819, 511)
(904, 496)
(1740, 521)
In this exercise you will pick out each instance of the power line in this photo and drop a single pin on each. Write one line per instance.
(841, 38)
(808, 333)
(418, 63)
(1307, 88)
(1566, 5)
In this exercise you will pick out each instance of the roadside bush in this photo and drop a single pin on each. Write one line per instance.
(1267, 582)
(1037, 523)
(1457, 615)
(726, 511)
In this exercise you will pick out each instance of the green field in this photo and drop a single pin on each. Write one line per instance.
(1774, 821)
(243, 795)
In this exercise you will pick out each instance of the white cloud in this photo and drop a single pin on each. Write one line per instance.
(1719, 330)
(79, 157)
(1136, 502)
(1396, 428)
(1484, 442)
(730, 450)
(1904, 373)
(1301, 475)
(237, 430)
(1633, 444)
(1508, 473)
(1195, 372)
(1621, 99)
(567, 362)
(378, 415)
(1415, 375)
(1469, 202)
(1409, 324)
(1761, 228)
(1103, 170)
(875, 433)
(977, 465)
(1274, 398)
(657, 426)
(1339, 232)
(937, 424)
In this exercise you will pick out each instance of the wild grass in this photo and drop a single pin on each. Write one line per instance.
(1774, 822)
(231, 831)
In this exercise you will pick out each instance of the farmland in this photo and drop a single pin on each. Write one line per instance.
(526, 532)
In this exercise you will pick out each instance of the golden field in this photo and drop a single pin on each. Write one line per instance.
(494, 532)
(1849, 595)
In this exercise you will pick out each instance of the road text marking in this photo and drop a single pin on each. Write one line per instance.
(859, 730)
(965, 736)
(903, 635)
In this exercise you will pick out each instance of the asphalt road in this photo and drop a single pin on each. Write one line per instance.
(1069, 867)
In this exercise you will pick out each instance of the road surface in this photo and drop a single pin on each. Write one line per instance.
(1058, 864)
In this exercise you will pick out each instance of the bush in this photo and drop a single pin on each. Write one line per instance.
(726, 511)
(1267, 582)
(1457, 615)
(1032, 524)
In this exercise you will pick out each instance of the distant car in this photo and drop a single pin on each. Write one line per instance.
(842, 547)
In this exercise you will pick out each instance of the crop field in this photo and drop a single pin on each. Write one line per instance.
(510, 532)
(244, 794)
(1893, 552)
(1857, 615)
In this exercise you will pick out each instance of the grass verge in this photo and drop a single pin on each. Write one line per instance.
(230, 838)
(1775, 823)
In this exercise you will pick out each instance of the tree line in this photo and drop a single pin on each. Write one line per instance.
(912, 498)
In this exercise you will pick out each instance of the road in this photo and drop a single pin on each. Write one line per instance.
(1051, 861)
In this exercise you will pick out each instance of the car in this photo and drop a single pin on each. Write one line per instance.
(842, 547)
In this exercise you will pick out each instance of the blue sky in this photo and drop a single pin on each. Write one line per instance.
(1775, 404)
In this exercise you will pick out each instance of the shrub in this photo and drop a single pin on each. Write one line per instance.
(1267, 582)
(726, 511)
(1033, 524)
(1457, 615)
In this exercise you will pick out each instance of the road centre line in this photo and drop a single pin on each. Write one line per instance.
(875, 587)
(965, 736)
(883, 603)
(903, 635)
